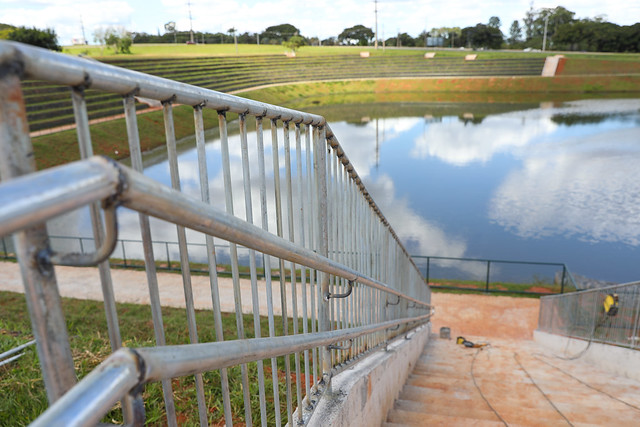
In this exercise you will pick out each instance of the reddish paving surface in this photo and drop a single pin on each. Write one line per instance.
(512, 381)
(487, 316)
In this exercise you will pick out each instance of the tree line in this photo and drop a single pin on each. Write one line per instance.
(546, 28)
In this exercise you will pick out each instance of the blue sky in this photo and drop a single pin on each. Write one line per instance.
(320, 18)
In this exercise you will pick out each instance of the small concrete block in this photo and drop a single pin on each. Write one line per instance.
(471, 57)
(430, 55)
(365, 54)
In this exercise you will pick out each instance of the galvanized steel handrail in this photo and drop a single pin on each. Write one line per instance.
(99, 178)
(128, 368)
(582, 315)
(334, 234)
(36, 63)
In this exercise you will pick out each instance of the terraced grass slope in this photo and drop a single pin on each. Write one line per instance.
(50, 105)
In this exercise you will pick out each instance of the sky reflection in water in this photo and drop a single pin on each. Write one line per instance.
(552, 184)
(556, 184)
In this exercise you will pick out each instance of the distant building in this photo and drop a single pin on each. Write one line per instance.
(78, 41)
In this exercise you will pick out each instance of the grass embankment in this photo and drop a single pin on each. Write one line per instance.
(24, 396)
(110, 138)
(163, 50)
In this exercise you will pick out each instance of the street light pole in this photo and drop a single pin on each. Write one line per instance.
(375, 2)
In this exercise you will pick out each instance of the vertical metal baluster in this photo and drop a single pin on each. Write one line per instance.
(347, 248)
(331, 222)
(337, 244)
(233, 250)
(267, 265)
(150, 265)
(32, 246)
(301, 238)
(172, 155)
(343, 243)
(310, 199)
(294, 291)
(330, 249)
(283, 279)
(320, 164)
(211, 258)
(86, 151)
(246, 175)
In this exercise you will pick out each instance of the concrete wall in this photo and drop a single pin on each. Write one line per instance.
(617, 360)
(553, 65)
(363, 394)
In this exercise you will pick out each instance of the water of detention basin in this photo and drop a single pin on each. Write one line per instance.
(546, 182)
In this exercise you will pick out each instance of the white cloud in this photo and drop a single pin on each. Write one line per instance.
(590, 193)
(323, 19)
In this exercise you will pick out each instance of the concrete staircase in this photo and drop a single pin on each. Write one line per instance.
(441, 391)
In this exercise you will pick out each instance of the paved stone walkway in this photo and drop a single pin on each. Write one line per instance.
(525, 384)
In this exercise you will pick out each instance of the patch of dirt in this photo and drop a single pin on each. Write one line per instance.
(485, 316)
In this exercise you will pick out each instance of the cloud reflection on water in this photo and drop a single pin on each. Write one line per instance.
(587, 188)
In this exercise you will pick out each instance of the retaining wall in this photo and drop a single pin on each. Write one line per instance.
(617, 360)
(363, 394)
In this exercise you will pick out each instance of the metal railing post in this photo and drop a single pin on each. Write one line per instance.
(564, 273)
(486, 289)
(124, 254)
(428, 268)
(32, 245)
(166, 247)
(320, 165)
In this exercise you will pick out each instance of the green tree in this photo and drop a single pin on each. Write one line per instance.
(515, 32)
(278, 33)
(43, 38)
(358, 34)
(494, 22)
(117, 38)
(482, 36)
(529, 17)
(294, 43)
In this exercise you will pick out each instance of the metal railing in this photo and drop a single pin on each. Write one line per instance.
(493, 275)
(359, 285)
(583, 315)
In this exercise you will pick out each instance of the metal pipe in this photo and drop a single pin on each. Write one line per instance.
(279, 231)
(211, 258)
(255, 303)
(135, 154)
(233, 251)
(267, 264)
(86, 403)
(39, 279)
(172, 157)
(86, 151)
(127, 369)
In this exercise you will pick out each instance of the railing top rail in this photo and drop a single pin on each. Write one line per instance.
(586, 291)
(558, 264)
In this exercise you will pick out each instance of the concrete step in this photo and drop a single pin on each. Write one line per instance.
(454, 410)
(410, 418)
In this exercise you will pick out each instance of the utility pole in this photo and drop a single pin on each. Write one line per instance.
(190, 21)
(544, 36)
(375, 2)
(84, 38)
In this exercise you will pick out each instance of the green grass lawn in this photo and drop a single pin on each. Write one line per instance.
(22, 387)
(183, 50)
